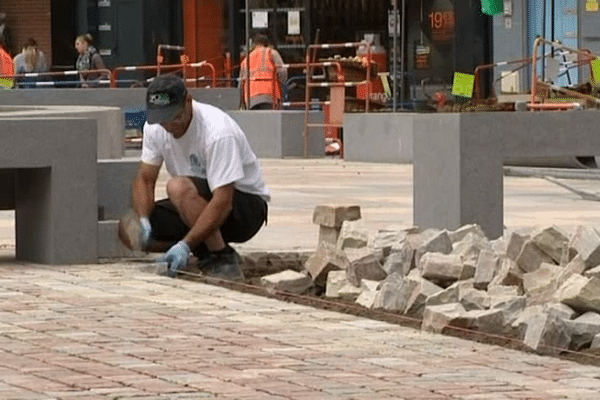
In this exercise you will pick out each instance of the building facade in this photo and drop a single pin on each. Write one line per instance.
(440, 37)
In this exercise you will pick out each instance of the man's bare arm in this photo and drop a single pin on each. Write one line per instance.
(142, 189)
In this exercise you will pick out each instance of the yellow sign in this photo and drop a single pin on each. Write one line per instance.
(463, 84)
(596, 70)
(6, 83)
(591, 5)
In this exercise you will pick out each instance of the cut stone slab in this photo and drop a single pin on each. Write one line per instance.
(353, 234)
(499, 245)
(520, 323)
(333, 216)
(349, 292)
(368, 293)
(460, 233)
(591, 273)
(580, 293)
(551, 241)
(490, 321)
(470, 247)
(335, 281)
(575, 266)
(398, 262)
(327, 258)
(502, 291)
(388, 294)
(583, 329)
(531, 257)
(329, 235)
(560, 310)
(511, 307)
(515, 244)
(586, 242)
(546, 334)
(487, 264)
(449, 294)
(384, 240)
(508, 274)
(363, 265)
(474, 299)
(438, 242)
(268, 263)
(445, 268)
(437, 318)
(288, 281)
(416, 302)
(542, 282)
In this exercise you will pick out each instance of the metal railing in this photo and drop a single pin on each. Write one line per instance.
(539, 101)
(171, 67)
(44, 78)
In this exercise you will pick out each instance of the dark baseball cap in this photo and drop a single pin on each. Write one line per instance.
(165, 98)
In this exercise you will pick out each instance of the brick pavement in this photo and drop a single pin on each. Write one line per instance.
(114, 331)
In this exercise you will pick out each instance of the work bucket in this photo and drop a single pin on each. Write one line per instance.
(492, 7)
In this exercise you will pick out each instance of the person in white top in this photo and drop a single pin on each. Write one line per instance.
(216, 193)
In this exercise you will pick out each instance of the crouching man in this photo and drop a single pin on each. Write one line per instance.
(216, 191)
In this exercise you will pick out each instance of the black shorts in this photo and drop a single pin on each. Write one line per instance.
(246, 218)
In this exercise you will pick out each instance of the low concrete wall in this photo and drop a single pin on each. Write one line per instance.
(109, 123)
(126, 98)
(279, 134)
(388, 137)
(378, 137)
(458, 160)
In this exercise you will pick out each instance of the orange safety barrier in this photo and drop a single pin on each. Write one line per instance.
(538, 102)
(160, 58)
(43, 75)
(524, 63)
(337, 90)
(158, 69)
(480, 68)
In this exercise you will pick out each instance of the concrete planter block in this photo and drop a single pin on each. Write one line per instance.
(280, 133)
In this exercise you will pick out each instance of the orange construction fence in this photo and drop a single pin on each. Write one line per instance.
(539, 101)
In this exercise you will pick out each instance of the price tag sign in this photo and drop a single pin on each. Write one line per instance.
(293, 22)
(463, 84)
(442, 24)
(260, 19)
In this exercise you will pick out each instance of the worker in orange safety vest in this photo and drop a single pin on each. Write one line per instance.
(267, 76)
(6, 67)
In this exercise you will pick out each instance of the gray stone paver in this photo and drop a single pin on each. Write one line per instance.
(112, 331)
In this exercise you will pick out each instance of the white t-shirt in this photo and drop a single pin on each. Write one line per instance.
(213, 148)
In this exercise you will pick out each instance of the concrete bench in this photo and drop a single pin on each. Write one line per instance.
(458, 160)
(49, 167)
(109, 123)
(66, 201)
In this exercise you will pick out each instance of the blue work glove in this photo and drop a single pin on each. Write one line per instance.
(176, 257)
(146, 232)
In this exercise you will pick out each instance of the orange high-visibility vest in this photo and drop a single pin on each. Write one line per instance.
(6, 69)
(263, 78)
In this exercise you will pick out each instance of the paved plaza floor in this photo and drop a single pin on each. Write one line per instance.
(117, 331)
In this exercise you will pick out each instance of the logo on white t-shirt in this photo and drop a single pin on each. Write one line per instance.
(198, 167)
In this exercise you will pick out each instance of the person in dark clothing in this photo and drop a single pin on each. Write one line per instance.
(89, 60)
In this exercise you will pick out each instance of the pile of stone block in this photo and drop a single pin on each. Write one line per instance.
(542, 286)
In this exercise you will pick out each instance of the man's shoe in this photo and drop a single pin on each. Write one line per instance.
(225, 264)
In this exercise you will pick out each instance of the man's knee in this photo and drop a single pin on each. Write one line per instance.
(179, 187)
